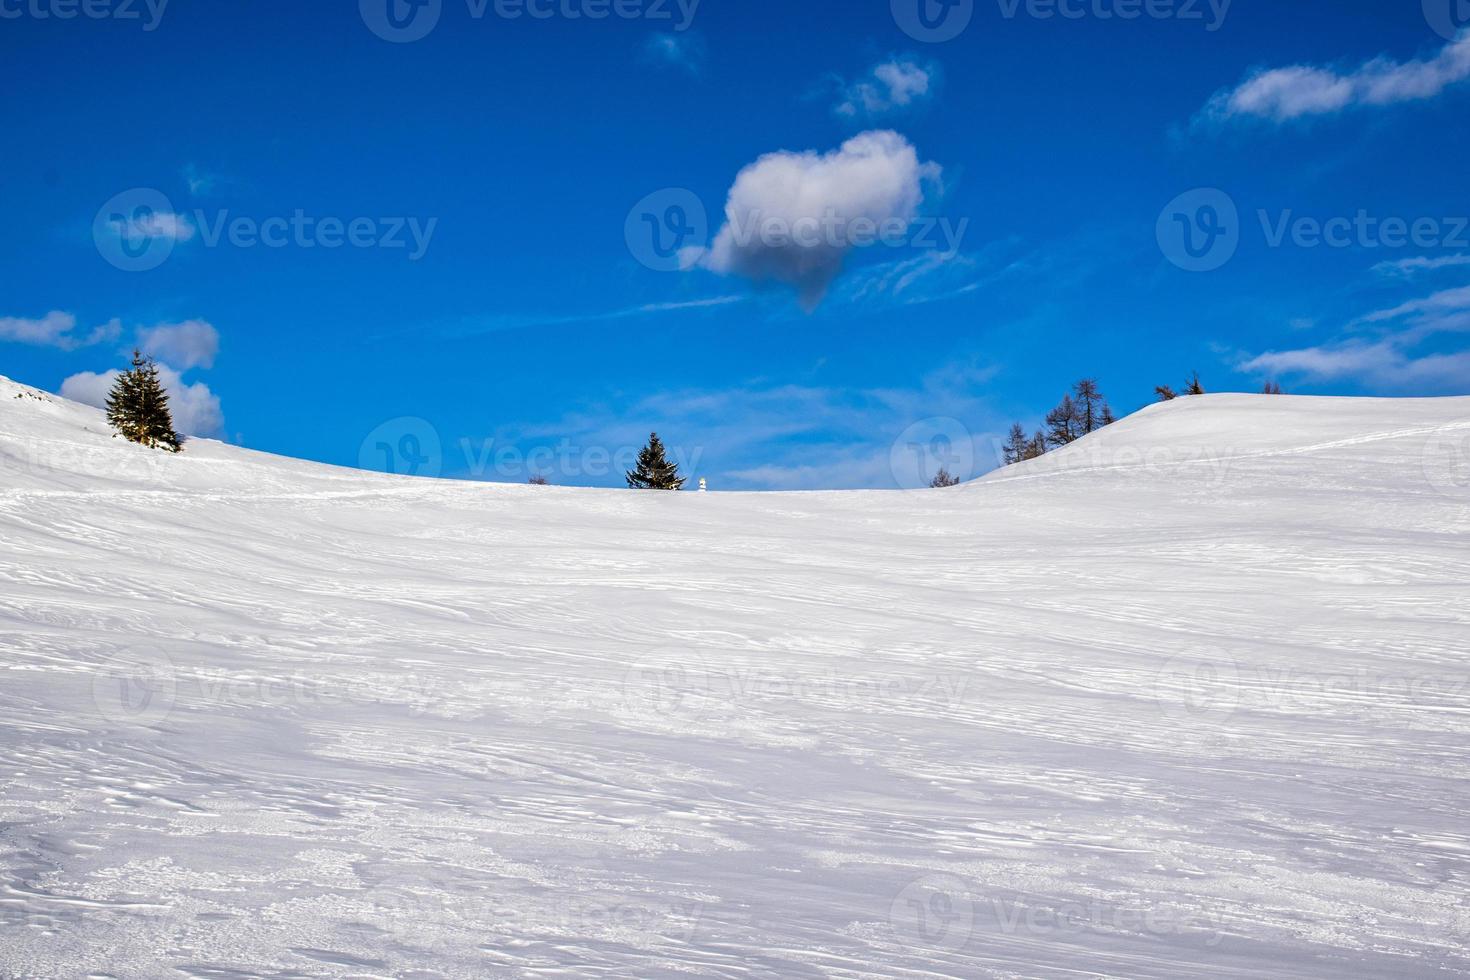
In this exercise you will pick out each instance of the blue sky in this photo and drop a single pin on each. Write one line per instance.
(496, 311)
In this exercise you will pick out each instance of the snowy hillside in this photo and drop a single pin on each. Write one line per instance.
(1190, 698)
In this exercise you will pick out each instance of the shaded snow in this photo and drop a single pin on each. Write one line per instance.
(1188, 699)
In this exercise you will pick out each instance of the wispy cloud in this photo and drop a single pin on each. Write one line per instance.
(1384, 364)
(900, 82)
(55, 329)
(929, 278)
(1446, 310)
(684, 51)
(200, 183)
(1394, 359)
(1408, 268)
(1284, 94)
(494, 322)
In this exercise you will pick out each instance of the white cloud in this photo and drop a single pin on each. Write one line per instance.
(1382, 363)
(685, 51)
(195, 409)
(55, 329)
(154, 224)
(792, 218)
(897, 83)
(193, 343)
(1283, 94)
(1388, 360)
(1410, 267)
(1431, 306)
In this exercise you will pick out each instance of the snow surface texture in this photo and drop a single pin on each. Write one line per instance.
(1188, 699)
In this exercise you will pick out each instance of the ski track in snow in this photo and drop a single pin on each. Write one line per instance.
(1187, 699)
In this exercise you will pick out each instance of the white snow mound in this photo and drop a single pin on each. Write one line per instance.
(1189, 698)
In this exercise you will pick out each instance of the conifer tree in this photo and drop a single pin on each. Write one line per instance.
(1062, 426)
(1016, 446)
(943, 479)
(137, 406)
(1108, 418)
(1165, 393)
(654, 471)
(1090, 406)
(1194, 387)
(1037, 447)
(1272, 388)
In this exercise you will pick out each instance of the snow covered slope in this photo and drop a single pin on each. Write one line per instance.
(1190, 698)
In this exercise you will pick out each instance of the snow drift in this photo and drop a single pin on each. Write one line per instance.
(1188, 698)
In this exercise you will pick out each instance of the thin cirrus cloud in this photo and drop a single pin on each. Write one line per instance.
(792, 218)
(1383, 364)
(889, 86)
(1407, 268)
(684, 51)
(55, 329)
(1444, 309)
(1281, 95)
(477, 325)
(1390, 361)
(200, 182)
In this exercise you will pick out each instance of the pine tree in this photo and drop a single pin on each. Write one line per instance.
(1062, 425)
(1014, 449)
(1090, 406)
(943, 479)
(1194, 387)
(1165, 393)
(654, 471)
(1108, 418)
(1037, 447)
(137, 406)
(1272, 388)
